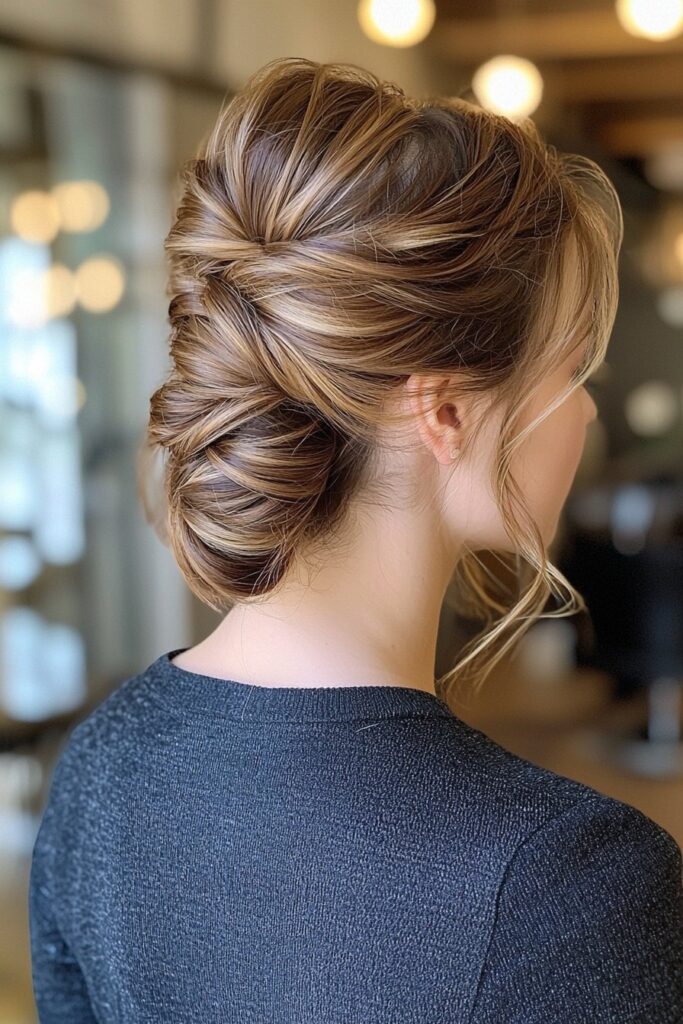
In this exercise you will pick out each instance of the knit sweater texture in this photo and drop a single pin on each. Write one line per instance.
(218, 852)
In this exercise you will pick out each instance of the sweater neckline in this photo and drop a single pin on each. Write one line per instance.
(186, 690)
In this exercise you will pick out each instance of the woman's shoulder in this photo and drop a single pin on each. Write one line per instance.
(593, 898)
(120, 714)
(601, 830)
(520, 800)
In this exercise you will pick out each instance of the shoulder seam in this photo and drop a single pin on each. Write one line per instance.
(581, 801)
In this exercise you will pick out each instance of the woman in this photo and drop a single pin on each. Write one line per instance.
(383, 311)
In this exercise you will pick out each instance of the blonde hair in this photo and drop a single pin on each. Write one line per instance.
(334, 236)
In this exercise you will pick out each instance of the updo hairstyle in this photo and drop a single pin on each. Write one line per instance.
(332, 237)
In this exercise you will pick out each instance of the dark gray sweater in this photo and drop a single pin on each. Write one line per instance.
(215, 852)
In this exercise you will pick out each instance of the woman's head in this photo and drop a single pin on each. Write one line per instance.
(355, 274)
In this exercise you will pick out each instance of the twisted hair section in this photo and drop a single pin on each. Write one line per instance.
(332, 237)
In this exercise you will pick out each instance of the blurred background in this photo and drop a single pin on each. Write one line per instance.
(101, 103)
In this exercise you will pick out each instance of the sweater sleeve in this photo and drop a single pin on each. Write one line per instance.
(588, 926)
(59, 987)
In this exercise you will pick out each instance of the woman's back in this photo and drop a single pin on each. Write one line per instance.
(214, 851)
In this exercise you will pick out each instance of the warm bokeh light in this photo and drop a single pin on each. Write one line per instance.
(508, 85)
(397, 22)
(83, 205)
(653, 19)
(100, 282)
(678, 248)
(59, 290)
(34, 216)
(652, 408)
(660, 251)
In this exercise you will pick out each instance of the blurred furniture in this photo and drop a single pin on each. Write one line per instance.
(625, 555)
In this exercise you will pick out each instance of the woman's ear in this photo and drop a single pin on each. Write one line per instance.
(441, 415)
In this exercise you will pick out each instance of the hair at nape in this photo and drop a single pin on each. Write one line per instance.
(332, 237)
